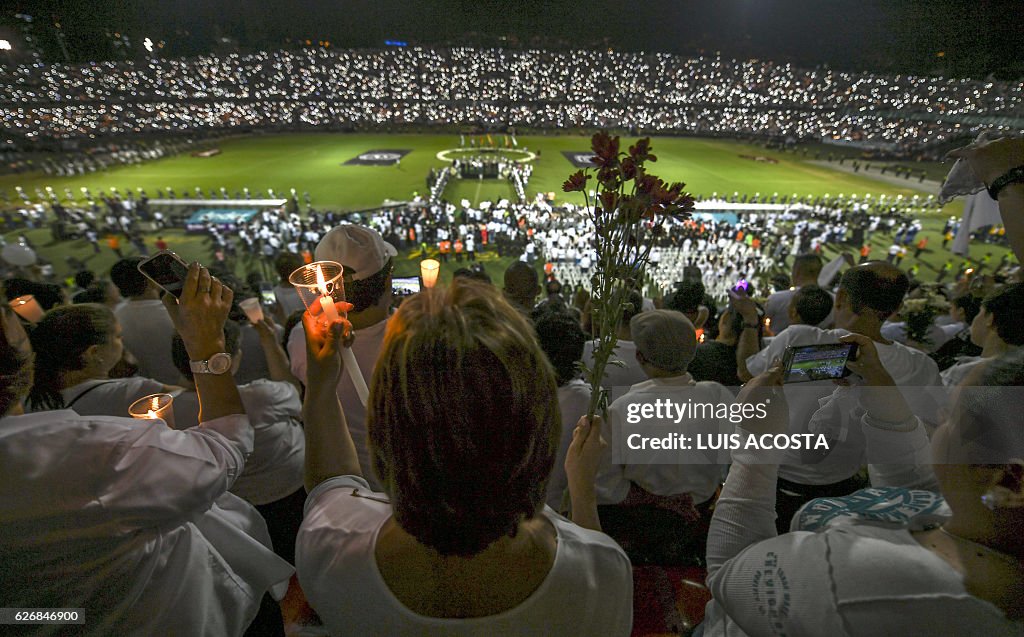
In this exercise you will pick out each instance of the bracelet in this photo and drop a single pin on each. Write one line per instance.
(1012, 176)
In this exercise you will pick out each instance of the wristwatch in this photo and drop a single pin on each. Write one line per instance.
(219, 363)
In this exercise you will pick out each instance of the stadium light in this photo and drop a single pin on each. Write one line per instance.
(5, 45)
(148, 44)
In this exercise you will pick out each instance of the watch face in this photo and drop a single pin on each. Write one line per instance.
(220, 363)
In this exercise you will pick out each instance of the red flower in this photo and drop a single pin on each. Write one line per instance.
(641, 151)
(609, 199)
(606, 149)
(577, 182)
(628, 169)
(645, 184)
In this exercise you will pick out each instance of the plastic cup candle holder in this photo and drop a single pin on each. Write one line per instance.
(28, 308)
(154, 407)
(320, 286)
(253, 310)
(429, 269)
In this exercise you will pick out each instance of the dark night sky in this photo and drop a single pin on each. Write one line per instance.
(978, 36)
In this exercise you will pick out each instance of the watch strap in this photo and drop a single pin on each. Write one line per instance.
(1012, 176)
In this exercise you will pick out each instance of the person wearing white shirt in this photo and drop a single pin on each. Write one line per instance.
(368, 264)
(896, 559)
(868, 294)
(146, 328)
(463, 424)
(806, 268)
(130, 519)
(997, 328)
(657, 504)
(617, 379)
(76, 347)
(561, 338)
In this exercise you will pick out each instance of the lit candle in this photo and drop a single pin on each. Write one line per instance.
(154, 407)
(326, 302)
(27, 308)
(429, 269)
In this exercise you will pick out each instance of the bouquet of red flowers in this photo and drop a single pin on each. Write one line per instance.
(629, 209)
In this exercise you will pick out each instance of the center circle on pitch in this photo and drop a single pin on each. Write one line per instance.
(524, 155)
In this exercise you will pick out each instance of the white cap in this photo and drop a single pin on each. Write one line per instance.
(362, 251)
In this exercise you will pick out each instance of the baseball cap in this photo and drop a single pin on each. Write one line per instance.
(361, 250)
(666, 339)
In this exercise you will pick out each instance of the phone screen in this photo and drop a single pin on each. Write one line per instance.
(817, 362)
(267, 296)
(405, 286)
(167, 270)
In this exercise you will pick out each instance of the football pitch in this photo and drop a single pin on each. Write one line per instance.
(316, 163)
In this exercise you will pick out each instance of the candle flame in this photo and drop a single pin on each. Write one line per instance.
(321, 282)
(151, 415)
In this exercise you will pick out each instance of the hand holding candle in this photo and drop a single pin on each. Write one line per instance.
(321, 288)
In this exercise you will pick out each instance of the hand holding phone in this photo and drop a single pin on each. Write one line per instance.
(167, 270)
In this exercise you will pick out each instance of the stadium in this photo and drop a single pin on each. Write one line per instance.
(701, 200)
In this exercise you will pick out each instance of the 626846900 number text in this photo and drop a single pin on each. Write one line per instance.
(9, 616)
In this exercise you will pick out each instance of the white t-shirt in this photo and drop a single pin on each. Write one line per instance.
(699, 480)
(366, 348)
(776, 308)
(131, 520)
(813, 411)
(274, 470)
(588, 591)
(573, 401)
(618, 379)
(146, 330)
(953, 376)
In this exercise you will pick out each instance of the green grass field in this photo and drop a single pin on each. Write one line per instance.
(314, 163)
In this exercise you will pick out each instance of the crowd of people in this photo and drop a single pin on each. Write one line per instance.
(497, 88)
(470, 492)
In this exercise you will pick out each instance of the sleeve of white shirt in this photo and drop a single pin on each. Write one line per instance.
(155, 473)
(759, 362)
(898, 455)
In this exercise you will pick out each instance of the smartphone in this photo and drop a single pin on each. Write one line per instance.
(167, 270)
(405, 286)
(803, 363)
(267, 296)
